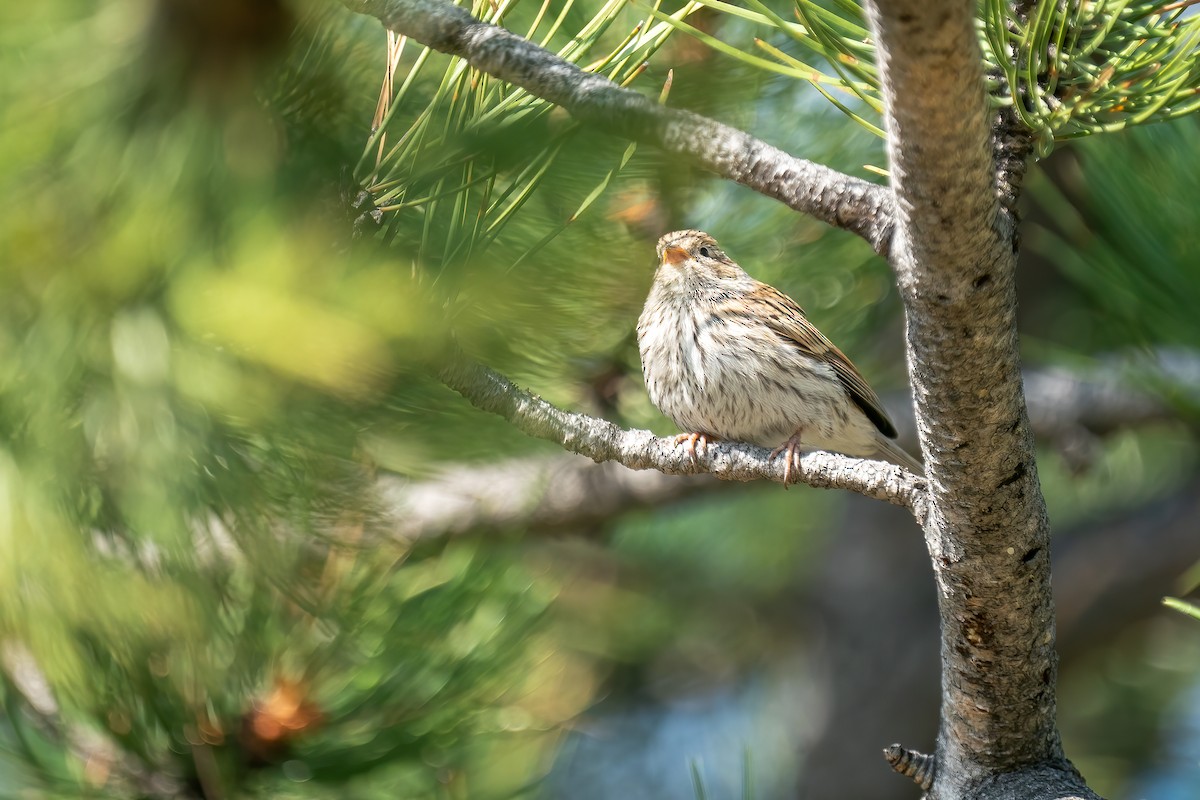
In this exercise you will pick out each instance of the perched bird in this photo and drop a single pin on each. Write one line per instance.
(726, 356)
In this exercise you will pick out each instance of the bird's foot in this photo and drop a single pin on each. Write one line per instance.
(792, 448)
(693, 439)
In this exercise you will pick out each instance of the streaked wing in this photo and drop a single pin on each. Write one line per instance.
(788, 321)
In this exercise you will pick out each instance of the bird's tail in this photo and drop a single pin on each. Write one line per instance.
(888, 450)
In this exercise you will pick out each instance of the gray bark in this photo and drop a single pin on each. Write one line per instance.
(987, 530)
(600, 440)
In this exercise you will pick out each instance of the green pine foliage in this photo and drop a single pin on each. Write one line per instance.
(206, 350)
(1068, 69)
(228, 275)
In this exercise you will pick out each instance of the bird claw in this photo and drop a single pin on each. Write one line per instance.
(692, 439)
(792, 446)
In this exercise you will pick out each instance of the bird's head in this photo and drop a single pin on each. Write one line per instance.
(689, 258)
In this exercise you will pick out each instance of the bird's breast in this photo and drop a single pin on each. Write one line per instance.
(714, 369)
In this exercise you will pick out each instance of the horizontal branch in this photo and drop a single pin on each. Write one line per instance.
(859, 206)
(1069, 409)
(1121, 389)
(551, 493)
(601, 440)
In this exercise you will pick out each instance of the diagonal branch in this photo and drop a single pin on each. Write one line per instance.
(600, 440)
(840, 200)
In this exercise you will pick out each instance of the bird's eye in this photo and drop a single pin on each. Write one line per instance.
(704, 251)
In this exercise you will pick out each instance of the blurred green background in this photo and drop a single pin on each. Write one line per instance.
(213, 343)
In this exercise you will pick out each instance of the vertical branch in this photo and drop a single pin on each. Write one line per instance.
(987, 530)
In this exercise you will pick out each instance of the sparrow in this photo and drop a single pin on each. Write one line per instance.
(726, 356)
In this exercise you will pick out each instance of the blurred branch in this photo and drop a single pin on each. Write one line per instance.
(840, 200)
(106, 765)
(601, 440)
(545, 494)
(1113, 394)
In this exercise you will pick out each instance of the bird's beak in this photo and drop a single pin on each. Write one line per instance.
(674, 255)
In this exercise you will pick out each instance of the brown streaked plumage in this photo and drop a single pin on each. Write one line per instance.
(727, 356)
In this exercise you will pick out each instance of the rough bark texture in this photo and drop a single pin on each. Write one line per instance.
(987, 529)
(600, 440)
(850, 203)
